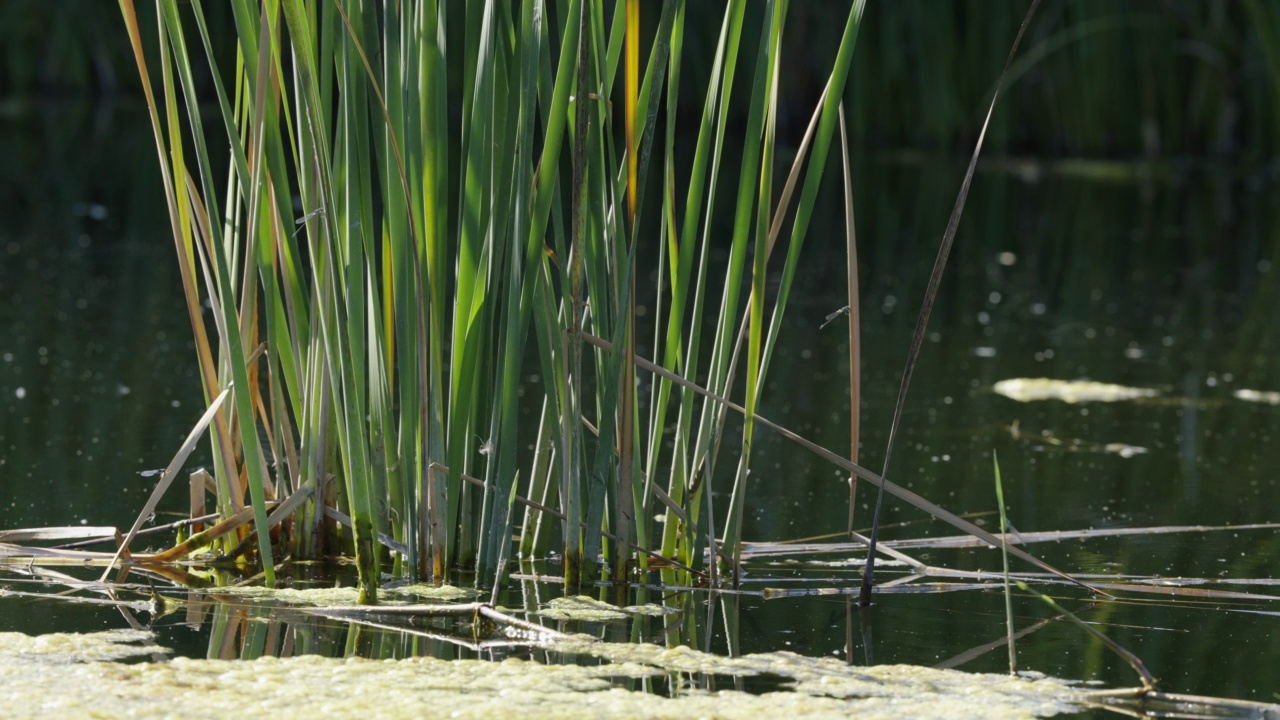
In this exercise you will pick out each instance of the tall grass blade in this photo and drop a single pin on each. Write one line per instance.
(762, 353)
(624, 493)
(766, 83)
(571, 432)
(631, 499)
(232, 340)
(855, 318)
(1004, 554)
(930, 295)
(720, 375)
(519, 289)
(689, 468)
(175, 186)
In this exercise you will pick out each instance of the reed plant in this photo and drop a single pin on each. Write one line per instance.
(420, 202)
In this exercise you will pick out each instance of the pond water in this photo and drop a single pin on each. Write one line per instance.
(1164, 278)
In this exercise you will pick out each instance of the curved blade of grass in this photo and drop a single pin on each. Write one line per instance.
(719, 372)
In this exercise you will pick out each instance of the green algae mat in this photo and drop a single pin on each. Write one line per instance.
(82, 676)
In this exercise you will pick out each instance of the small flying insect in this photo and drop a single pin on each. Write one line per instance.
(302, 220)
(842, 311)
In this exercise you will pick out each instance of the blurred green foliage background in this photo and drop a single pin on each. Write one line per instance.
(1166, 78)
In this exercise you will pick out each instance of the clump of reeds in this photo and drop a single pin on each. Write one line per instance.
(394, 248)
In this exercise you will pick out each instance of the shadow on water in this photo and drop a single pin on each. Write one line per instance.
(1165, 281)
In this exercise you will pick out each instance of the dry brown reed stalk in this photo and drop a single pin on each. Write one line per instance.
(854, 309)
(926, 307)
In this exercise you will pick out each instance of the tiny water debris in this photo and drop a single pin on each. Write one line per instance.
(1069, 391)
(1046, 438)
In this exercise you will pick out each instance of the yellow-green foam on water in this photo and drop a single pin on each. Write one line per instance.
(297, 596)
(332, 596)
(1069, 391)
(310, 687)
(434, 592)
(650, 609)
(65, 648)
(581, 607)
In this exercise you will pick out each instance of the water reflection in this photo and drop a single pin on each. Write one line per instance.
(94, 383)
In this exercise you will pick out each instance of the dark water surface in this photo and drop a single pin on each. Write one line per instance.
(1160, 277)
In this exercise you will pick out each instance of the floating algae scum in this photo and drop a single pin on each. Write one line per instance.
(47, 676)
(377, 263)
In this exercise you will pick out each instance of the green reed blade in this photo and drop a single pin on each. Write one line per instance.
(1004, 555)
(764, 109)
(233, 341)
(519, 298)
(759, 357)
(688, 469)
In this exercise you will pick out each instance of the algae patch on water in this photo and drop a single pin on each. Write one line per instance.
(296, 596)
(336, 596)
(581, 607)
(434, 592)
(66, 648)
(650, 610)
(54, 677)
(1069, 391)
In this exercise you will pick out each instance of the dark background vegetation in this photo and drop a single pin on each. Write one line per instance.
(1155, 79)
